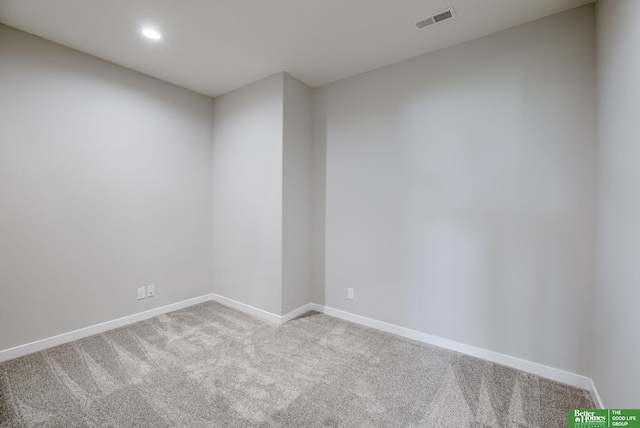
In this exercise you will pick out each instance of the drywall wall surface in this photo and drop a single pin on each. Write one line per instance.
(247, 194)
(104, 187)
(296, 187)
(318, 195)
(615, 344)
(460, 191)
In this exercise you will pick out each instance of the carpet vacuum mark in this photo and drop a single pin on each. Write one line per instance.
(212, 366)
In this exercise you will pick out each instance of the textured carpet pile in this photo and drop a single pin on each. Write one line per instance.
(211, 366)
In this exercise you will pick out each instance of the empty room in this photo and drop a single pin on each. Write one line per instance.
(286, 213)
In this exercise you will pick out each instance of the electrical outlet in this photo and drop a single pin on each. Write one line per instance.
(141, 293)
(350, 293)
(151, 290)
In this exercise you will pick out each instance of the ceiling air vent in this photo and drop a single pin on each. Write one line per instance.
(440, 16)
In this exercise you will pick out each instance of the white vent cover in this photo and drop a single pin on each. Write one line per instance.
(440, 16)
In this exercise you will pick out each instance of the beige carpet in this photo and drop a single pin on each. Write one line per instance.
(212, 366)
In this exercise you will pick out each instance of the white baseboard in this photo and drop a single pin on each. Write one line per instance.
(595, 395)
(39, 345)
(568, 378)
(295, 313)
(319, 308)
(243, 307)
(60, 339)
(259, 313)
(558, 375)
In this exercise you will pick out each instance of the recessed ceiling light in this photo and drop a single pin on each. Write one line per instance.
(151, 34)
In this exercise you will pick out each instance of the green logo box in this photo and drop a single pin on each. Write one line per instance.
(603, 418)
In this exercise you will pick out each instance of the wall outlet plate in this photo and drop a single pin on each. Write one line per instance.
(151, 290)
(350, 293)
(141, 293)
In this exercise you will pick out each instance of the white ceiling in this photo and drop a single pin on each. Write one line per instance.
(215, 46)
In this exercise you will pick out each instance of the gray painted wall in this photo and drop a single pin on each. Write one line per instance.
(104, 187)
(460, 191)
(615, 342)
(318, 195)
(455, 192)
(262, 194)
(247, 194)
(296, 184)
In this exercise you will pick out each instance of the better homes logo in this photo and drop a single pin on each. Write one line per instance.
(588, 418)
